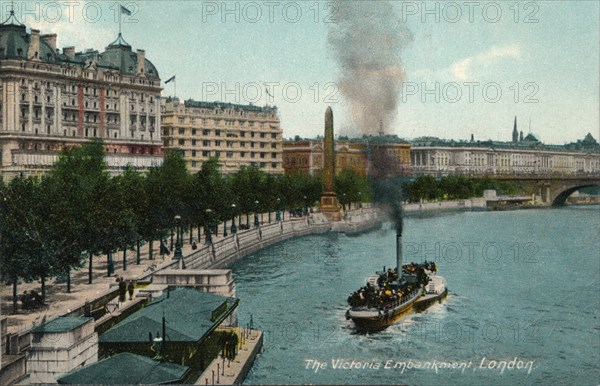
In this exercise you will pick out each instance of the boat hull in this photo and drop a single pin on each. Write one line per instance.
(380, 320)
(426, 301)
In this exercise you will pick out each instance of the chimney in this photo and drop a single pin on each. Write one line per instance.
(141, 61)
(34, 45)
(50, 39)
(70, 52)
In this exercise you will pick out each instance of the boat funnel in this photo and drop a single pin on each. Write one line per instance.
(399, 254)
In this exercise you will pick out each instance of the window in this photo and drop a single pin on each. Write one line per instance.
(273, 165)
(273, 135)
(242, 144)
(181, 130)
(262, 155)
(193, 131)
(218, 133)
(206, 153)
(262, 135)
(193, 153)
(194, 164)
(242, 154)
(217, 153)
(252, 134)
(205, 132)
(273, 155)
(217, 143)
(193, 142)
(182, 142)
(273, 146)
(180, 119)
(242, 134)
(205, 143)
(229, 154)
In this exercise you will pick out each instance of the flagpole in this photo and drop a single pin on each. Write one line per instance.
(175, 87)
(120, 12)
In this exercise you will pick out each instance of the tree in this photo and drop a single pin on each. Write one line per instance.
(72, 187)
(19, 233)
(350, 187)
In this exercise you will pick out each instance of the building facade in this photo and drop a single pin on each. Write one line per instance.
(50, 100)
(306, 156)
(237, 135)
(438, 157)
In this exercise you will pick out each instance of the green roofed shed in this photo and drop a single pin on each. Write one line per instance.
(189, 315)
(126, 368)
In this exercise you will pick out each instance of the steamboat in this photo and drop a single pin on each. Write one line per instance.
(391, 294)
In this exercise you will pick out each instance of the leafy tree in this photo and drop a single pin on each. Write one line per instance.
(72, 188)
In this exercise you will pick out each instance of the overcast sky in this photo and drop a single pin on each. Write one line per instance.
(470, 67)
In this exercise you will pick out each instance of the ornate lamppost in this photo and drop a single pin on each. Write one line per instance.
(207, 226)
(256, 222)
(178, 254)
(233, 227)
(278, 213)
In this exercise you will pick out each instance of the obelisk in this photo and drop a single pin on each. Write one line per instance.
(329, 204)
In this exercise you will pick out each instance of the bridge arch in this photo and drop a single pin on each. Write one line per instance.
(561, 196)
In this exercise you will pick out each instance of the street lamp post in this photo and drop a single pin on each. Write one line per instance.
(278, 213)
(305, 206)
(233, 227)
(256, 222)
(207, 227)
(178, 254)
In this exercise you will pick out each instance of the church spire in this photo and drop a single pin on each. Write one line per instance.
(515, 133)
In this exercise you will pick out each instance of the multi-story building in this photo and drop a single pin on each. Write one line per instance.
(306, 155)
(50, 100)
(438, 157)
(237, 135)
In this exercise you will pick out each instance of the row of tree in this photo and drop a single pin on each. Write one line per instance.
(52, 225)
(454, 188)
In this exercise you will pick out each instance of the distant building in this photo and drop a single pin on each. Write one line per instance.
(528, 155)
(237, 134)
(306, 155)
(51, 100)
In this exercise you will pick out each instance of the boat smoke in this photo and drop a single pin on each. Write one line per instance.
(367, 39)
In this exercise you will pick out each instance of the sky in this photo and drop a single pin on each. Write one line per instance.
(468, 67)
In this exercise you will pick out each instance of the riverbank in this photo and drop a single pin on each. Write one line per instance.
(222, 252)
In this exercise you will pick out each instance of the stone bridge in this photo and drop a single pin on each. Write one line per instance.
(551, 188)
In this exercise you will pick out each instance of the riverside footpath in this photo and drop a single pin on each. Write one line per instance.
(220, 253)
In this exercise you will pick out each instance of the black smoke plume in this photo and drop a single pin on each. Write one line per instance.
(367, 39)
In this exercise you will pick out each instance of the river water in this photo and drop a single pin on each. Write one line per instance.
(523, 306)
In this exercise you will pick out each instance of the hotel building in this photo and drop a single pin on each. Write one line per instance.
(236, 134)
(50, 100)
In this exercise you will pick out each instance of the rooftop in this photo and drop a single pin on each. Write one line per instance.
(230, 106)
(126, 368)
(189, 315)
(62, 324)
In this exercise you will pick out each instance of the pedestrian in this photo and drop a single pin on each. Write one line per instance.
(122, 290)
(130, 288)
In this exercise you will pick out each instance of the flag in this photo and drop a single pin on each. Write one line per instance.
(170, 79)
(268, 93)
(125, 11)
